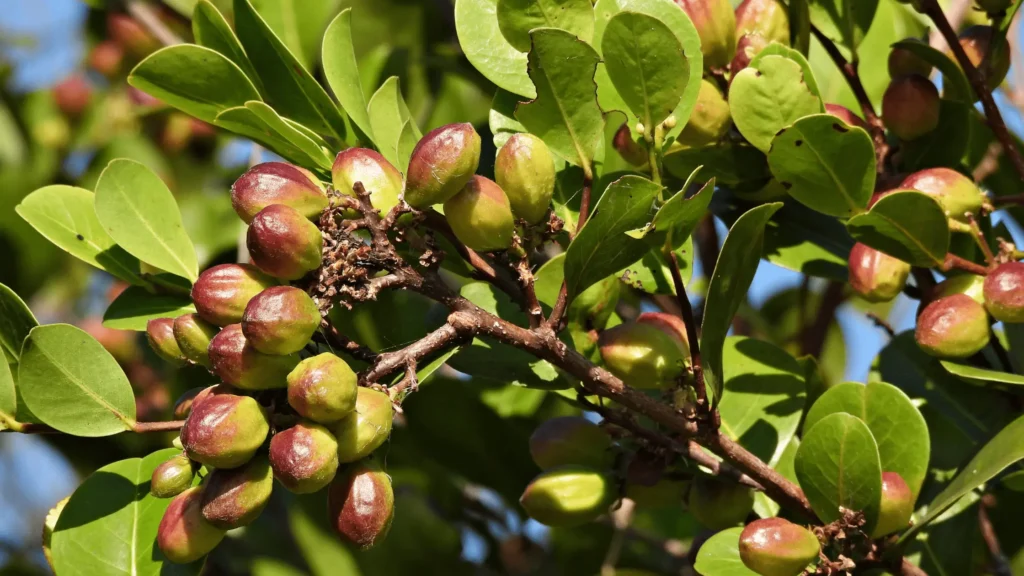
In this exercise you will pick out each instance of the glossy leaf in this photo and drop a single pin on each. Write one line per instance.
(776, 49)
(342, 70)
(16, 320)
(245, 122)
(907, 225)
(652, 274)
(314, 150)
(136, 306)
(679, 215)
(476, 23)
(954, 84)
(502, 120)
(8, 396)
(211, 29)
(844, 21)
(766, 99)
(394, 130)
(982, 376)
(517, 17)
(299, 25)
(720, 555)
(729, 164)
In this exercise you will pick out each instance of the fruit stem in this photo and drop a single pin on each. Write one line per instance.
(1014, 199)
(979, 237)
(956, 262)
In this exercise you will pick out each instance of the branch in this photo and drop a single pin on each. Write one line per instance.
(388, 363)
(483, 270)
(558, 312)
(954, 262)
(335, 339)
(1000, 564)
(691, 328)
(1011, 199)
(138, 427)
(813, 336)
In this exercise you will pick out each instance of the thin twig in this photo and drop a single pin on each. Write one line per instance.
(390, 362)
(1009, 199)
(338, 341)
(955, 13)
(979, 238)
(558, 311)
(691, 328)
(1000, 564)
(150, 20)
(482, 268)
(954, 262)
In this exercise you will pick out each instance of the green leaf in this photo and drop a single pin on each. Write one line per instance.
(981, 376)
(502, 120)
(245, 122)
(720, 555)
(729, 164)
(16, 321)
(513, 401)
(139, 212)
(136, 306)
(844, 21)
(825, 164)
(734, 271)
(65, 216)
(110, 523)
(342, 71)
(70, 382)
(954, 84)
(837, 465)
(211, 29)
(476, 23)
(908, 225)
(776, 49)
(769, 97)
(299, 25)
(652, 273)
(565, 113)
(315, 150)
(193, 79)
(394, 130)
(517, 17)
(8, 396)
(945, 145)
(679, 215)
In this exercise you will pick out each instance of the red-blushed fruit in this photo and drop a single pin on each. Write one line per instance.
(283, 243)
(304, 457)
(710, 120)
(278, 183)
(903, 62)
(361, 504)
(442, 162)
(72, 95)
(237, 363)
(172, 477)
(627, 147)
(323, 388)
(127, 32)
(876, 276)
(379, 177)
(766, 18)
(717, 504)
(1004, 292)
(952, 327)
(847, 116)
(193, 335)
(525, 170)
(910, 107)
(106, 58)
(184, 535)
(570, 440)
(183, 405)
(224, 430)
(957, 194)
(970, 284)
(481, 216)
(777, 547)
(235, 498)
(568, 496)
(896, 507)
(748, 46)
(366, 428)
(984, 43)
(160, 335)
(280, 320)
(649, 353)
(716, 25)
(222, 292)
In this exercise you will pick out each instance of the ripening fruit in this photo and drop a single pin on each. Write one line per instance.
(278, 183)
(193, 335)
(716, 25)
(777, 547)
(183, 405)
(525, 171)
(366, 427)
(710, 120)
(160, 334)
(567, 496)
(224, 430)
(72, 95)
(910, 107)
(649, 353)
(766, 18)
(184, 535)
(956, 194)
(993, 7)
(481, 216)
(323, 388)
(570, 440)
(235, 498)
(304, 457)
(627, 147)
(847, 116)
(970, 284)
(903, 62)
(127, 32)
(280, 320)
(442, 163)
(222, 292)
(975, 41)
(875, 275)
(239, 364)
(594, 306)
(748, 46)
(106, 58)
(952, 327)
(379, 177)
(172, 477)
(896, 507)
(361, 504)
(283, 243)
(1004, 292)
(718, 504)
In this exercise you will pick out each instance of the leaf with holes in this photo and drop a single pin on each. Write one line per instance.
(769, 97)
(906, 224)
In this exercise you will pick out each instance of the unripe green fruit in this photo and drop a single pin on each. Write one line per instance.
(847, 116)
(442, 163)
(710, 120)
(903, 62)
(748, 46)
(570, 440)
(896, 507)
(993, 7)
(366, 427)
(184, 535)
(649, 353)
(323, 388)
(193, 335)
(224, 430)
(969, 284)
(304, 457)
(627, 147)
(525, 171)
(976, 42)
(1004, 292)
(956, 194)
(283, 243)
(239, 364)
(280, 320)
(183, 405)
(716, 25)
(567, 496)
(910, 107)
(361, 505)
(875, 275)
(594, 306)
(278, 183)
(222, 292)
(952, 327)
(379, 177)
(172, 477)
(160, 335)
(777, 547)
(235, 498)
(766, 18)
(481, 216)
(717, 504)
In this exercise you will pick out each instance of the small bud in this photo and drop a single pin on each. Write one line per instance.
(777, 547)
(749, 45)
(910, 107)
(766, 18)
(49, 525)
(323, 388)
(875, 275)
(640, 128)
(106, 58)
(481, 216)
(896, 507)
(366, 427)
(570, 440)
(278, 183)
(956, 194)
(952, 327)
(224, 430)
(718, 504)
(627, 147)
(184, 404)
(670, 122)
(235, 498)
(222, 292)
(193, 335)
(969, 284)
(237, 363)
(903, 62)
(847, 116)
(304, 457)
(442, 163)
(172, 477)
(567, 496)
(710, 120)
(184, 536)
(1004, 292)
(379, 177)
(594, 306)
(280, 320)
(716, 25)
(649, 353)
(361, 505)
(283, 243)
(160, 334)
(976, 42)
(525, 171)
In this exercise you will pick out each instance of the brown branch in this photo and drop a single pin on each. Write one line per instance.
(1010, 199)
(989, 163)
(1000, 564)
(390, 362)
(138, 427)
(955, 13)
(526, 281)
(954, 262)
(482, 268)
(813, 336)
(707, 244)
(691, 329)
(562, 303)
(335, 339)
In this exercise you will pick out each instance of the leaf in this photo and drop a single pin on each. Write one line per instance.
(679, 216)
(945, 145)
(766, 99)
(139, 212)
(720, 555)
(70, 382)
(981, 376)
(193, 79)
(602, 246)
(476, 23)
(737, 263)
(299, 25)
(243, 121)
(8, 396)
(342, 71)
(211, 30)
(776, 49)
(565, 113)
(845, 21)
(136, 306)
(652, 273)
(517, 17)
(954, 84)
(729, 164)
(908, 225)
(315, 151)
(65, 216)
(110, 523)
(825, 164)
(392, 124)
(898, 428)
(502, 120)
(16, 321)
(837, 465)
